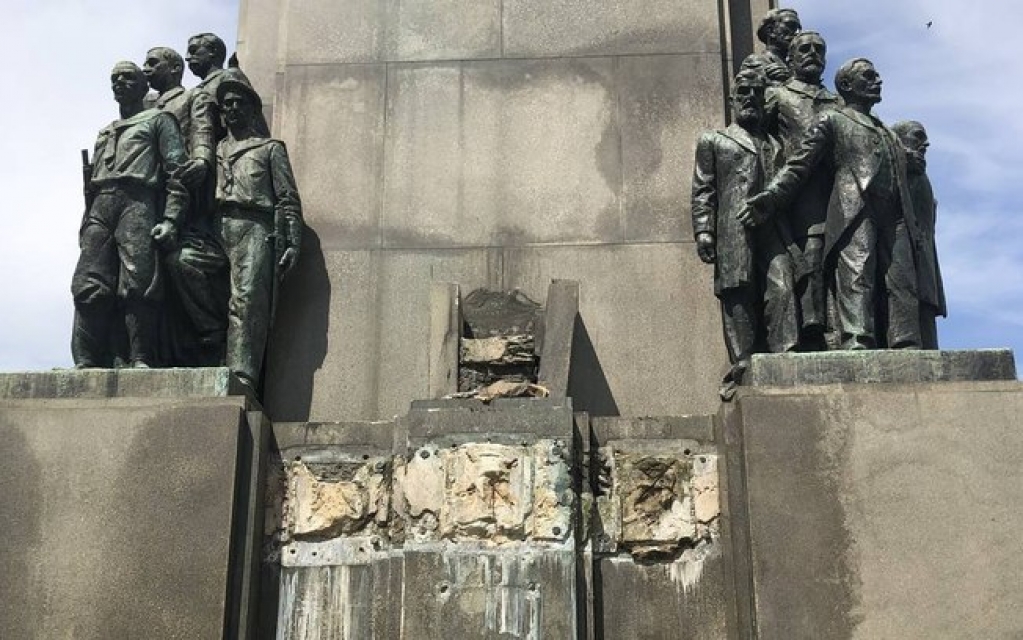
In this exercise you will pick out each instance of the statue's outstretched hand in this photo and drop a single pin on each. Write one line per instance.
(757, 211)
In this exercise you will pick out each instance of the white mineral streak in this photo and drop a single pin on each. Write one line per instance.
(687, 570)
(315, 619)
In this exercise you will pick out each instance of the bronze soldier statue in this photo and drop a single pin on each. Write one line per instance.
(870, 231)
(932, 291)
(261, 225)
(776, 30)
(793, 108)
(135, 202)
(206, 56)
(752, 269)
(195, 322)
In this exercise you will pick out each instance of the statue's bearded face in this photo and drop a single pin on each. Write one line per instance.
(863, 85)
(747, 102)
(806, 57)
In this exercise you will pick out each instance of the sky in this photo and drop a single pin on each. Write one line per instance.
(955, 77)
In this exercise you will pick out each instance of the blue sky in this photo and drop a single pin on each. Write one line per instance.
(955, 77)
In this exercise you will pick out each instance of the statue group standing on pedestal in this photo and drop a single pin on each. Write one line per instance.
(832, 243)
(192, 219)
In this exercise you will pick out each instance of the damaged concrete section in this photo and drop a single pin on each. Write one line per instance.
(330, 499)
(655, 506)
(492, 493)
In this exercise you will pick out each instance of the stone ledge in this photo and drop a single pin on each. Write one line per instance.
(120, 383)
(881, 366)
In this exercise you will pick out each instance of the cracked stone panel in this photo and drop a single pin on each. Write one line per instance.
(337, 498)
(655, 506)
(487, 493)
(419, 492)
(491, 493)
(552, 492)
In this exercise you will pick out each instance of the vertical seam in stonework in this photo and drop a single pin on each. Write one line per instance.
(724, 27)
(384, 136)
(500, 26)
(622, 193)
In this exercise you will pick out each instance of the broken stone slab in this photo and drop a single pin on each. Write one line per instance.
(880, 366)
(499, 350)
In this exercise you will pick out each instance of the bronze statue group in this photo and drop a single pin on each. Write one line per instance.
(192, 218)
(818, 218)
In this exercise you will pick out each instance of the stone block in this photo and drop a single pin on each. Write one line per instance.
(332, 118)
(502, 153)
(119, 517)
(884, 511)
(443, 30)
(547, 28)
(372, 307)
(120, 383)
(519, 593)
(883, 366)
(258, 31)
(325, 32)
(660, 361)
(665, 103)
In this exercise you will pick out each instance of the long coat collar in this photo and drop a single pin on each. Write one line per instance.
(244, 146)
(741, 137)
(169, 95)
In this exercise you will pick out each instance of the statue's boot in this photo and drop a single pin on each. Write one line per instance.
(140, 322)
(90, 335)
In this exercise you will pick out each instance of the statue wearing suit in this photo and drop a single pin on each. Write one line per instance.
(870, 232)
(793, 108)
(932, 292)
(752, 269)
(776, 31)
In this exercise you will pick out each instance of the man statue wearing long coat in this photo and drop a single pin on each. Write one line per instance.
(925, 208)
(871, 231)
(793, 108)
(752, 269)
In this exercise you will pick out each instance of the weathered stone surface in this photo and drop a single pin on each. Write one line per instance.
(486, 494)
(883, 511)
(120, 383)
(664, 107)
(117, 517)
(332, 118)
(448, 30)
(884, 366)
(329, 499)
(258, 30)
(535, 28)
(468, 143)
(670, 361)
(499, 350)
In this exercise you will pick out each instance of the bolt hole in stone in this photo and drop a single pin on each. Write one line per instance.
(686, 452)
(298, 458)
(292, 551)
(362, 549)
(314, 553)
(556, 531)
(444, 588)
(424, 454)
(365, 456)
(703, 459)
(532, 586)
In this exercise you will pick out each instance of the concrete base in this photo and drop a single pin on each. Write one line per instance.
(836, 367)
(124, 515)
(878, 511)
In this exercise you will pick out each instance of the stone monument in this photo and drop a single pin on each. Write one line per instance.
(457, 442)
